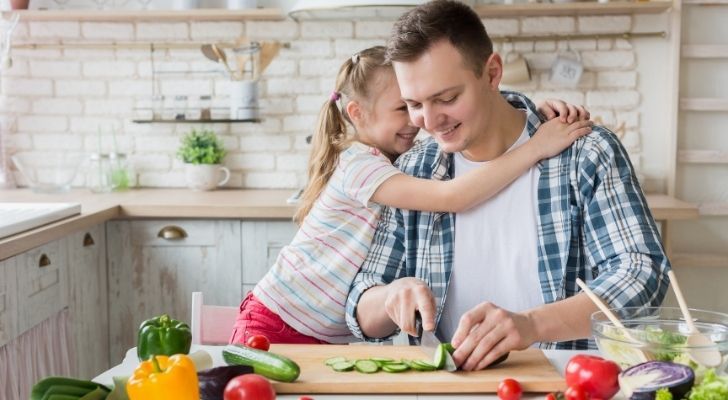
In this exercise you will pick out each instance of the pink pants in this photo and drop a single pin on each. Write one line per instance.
(256, 319)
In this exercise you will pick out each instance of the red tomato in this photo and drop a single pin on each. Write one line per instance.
(555, 396)
(597, 376)
(575, 393)
(259, 342)
(509, 389)
(249, 387)
(305, 398)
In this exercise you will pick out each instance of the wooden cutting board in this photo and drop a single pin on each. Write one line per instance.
(529, 367)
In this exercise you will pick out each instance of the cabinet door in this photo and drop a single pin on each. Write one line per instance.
(42, 283)
(262, 241)
(8, 301)
(151, 275)
(88, 301)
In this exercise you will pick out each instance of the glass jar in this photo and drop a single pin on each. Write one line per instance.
(121, 173)
(99, 173)
(180, 107)
(205, 108)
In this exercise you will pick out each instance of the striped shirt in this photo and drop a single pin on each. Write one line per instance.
(593, 224)
(308, 285)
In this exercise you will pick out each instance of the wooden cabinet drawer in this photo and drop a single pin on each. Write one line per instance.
(8, 300)
(262, 241)
(163, 233)
(42, 283)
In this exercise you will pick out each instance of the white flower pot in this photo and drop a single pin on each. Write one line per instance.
(205, 176)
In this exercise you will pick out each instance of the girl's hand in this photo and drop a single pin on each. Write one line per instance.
(554, 136)
(567, 113)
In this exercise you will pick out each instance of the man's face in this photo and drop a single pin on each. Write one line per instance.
(445, 97)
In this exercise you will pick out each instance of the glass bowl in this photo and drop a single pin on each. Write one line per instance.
(52, 173)
(659, 333)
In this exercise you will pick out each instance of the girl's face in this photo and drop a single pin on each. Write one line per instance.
(385, 123)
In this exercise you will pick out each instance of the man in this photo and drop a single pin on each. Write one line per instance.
(502, 276)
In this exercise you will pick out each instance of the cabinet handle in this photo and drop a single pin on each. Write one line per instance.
(44, 261)
(172, 232)
(88, 240)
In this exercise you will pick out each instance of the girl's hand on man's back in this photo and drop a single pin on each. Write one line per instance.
(554, 136)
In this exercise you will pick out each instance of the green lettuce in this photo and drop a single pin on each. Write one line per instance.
(712, 387)
(663, 394)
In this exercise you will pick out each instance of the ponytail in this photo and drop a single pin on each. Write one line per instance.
(331, 136)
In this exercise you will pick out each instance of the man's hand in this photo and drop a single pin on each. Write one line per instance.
(404, 297)
(567, 113)
(486, 332)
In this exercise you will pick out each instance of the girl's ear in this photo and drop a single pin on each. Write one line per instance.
(355, 112)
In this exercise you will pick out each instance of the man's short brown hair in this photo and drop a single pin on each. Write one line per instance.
(418, 29)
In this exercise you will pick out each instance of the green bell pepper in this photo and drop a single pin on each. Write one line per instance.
(163, 336)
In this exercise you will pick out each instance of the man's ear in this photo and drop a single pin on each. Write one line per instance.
(355, 112)
(493, 70)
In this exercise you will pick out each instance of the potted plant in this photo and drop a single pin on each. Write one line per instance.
(202, 153)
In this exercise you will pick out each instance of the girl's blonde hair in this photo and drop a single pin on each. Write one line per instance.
(353, 82)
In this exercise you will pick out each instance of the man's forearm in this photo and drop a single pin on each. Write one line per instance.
(563, 320)
(372, 315)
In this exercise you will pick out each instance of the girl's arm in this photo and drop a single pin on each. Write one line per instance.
(459, 194)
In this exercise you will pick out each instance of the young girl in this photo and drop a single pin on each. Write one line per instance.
(302, 298)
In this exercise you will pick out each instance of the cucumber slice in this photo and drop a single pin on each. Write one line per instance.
(422, 365)
(366, 366)
(394, 367)
(439, 358)
(333, 360)
(382, 360)
(343, 366)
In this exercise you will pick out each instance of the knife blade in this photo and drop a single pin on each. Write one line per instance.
(429, 344)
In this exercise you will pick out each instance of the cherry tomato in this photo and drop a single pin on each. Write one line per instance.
(509, 389)
(576, 393)
(597, 376)
(249, 387)
(305, 398)
(259, 342)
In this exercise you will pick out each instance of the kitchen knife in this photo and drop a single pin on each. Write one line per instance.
(429, 344)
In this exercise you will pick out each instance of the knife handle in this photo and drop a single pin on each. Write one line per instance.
(418, 323)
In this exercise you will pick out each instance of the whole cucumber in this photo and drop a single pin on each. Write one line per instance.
(264, 363)
(42, 386)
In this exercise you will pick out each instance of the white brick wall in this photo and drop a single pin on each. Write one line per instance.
(71, 99)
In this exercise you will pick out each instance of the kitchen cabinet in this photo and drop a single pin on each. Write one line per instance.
(155, 265)
(42, 283)
(88, 301)
(8, 301)
(261, 243)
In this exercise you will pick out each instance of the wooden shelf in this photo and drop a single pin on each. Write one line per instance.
(705, 2)
(713, 209)
(702, 156)
(217, 14)
(195, 121)
(572, 9)
(705, 51)
(664, 207)
(703, 104)
(688, 260)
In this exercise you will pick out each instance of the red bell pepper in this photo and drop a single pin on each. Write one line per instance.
(595, 375)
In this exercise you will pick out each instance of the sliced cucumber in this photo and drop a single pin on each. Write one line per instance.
(366, 366)
(422, 365)
(333, 360)
(343, 366)
(395, 367)
(439, 358)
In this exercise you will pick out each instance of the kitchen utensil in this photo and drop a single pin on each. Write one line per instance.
(214, 53)
(8, 27)
(529, 367)
(241, 59)
(268, 51)
(429, 344)
(613, 318)
(54, 173)
(702, 349)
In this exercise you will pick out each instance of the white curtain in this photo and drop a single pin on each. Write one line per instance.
(44, 350)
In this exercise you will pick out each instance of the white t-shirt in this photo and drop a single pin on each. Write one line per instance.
(496, 249)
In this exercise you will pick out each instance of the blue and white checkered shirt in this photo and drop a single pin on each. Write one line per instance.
(593, 224)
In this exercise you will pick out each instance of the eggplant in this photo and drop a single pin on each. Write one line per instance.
(212, 381)
(641, 382)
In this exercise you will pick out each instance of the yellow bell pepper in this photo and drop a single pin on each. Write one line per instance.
(164, 378)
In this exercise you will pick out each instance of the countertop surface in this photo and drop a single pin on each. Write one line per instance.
(184, 203)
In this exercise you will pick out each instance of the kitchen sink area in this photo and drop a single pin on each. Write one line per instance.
(19, 217)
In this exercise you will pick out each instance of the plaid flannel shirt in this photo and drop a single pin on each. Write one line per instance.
(593, 224)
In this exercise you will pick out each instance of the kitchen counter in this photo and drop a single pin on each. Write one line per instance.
(184, 203)
(143, 203)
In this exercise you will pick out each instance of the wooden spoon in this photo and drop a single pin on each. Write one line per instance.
(222, 58)
(612, 318)
(706, 353)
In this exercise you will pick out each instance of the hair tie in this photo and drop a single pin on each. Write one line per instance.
(355, 58)
(335, 96)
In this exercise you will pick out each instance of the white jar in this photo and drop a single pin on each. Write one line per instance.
(185, 4)
(241, 4)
